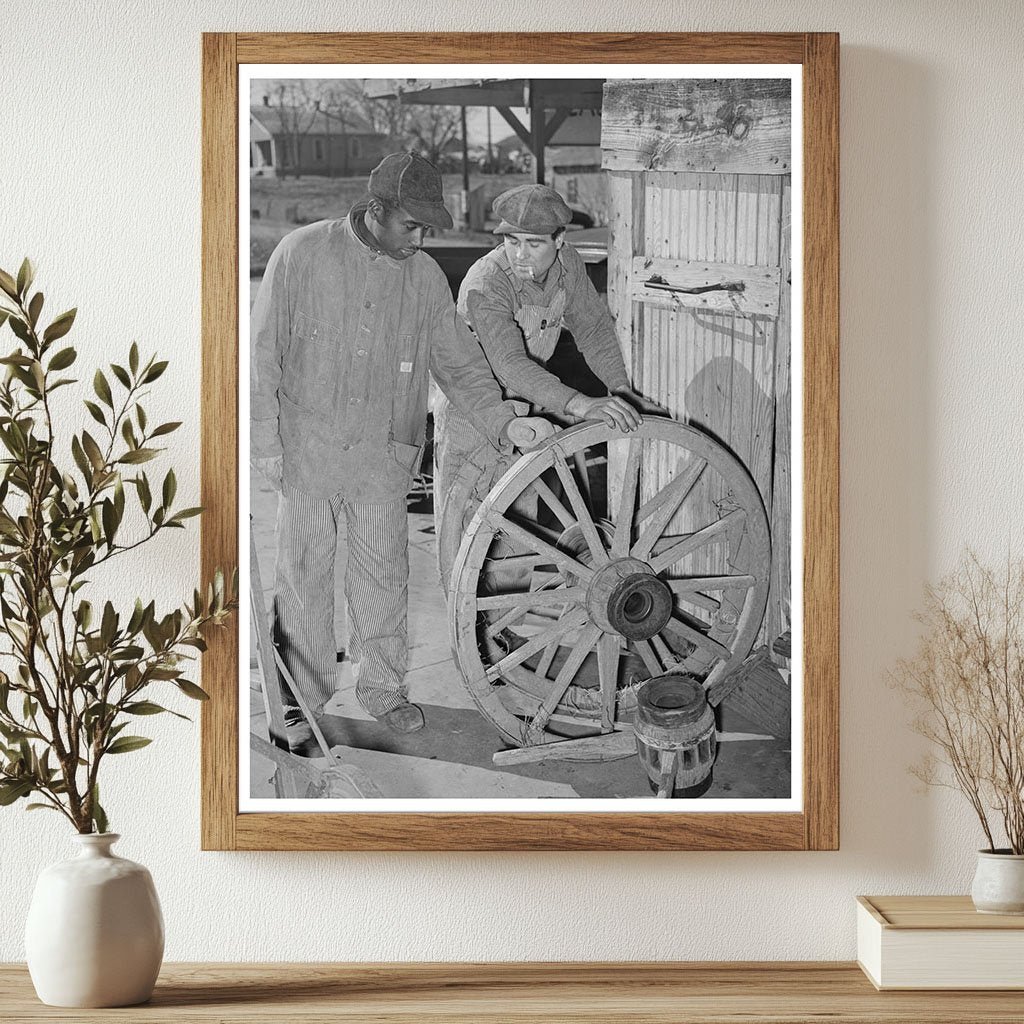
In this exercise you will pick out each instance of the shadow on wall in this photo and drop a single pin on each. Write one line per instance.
(888, 294)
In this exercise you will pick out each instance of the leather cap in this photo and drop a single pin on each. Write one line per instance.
(530, 210)
(412, 183)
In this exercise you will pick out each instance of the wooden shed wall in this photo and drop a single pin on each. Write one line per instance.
(727, 372)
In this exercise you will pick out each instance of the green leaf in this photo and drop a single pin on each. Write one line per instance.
(8, 284)
(145, 497)
(121, 374)
(79, 456)
(63, 359)
(26, 274)
(96, 412)
(99, 816)
(92, 449)
(108, 627)
(144, 707)
(128, 433)
(125, 744)
(41, 807)
(34, 308)
(154, 372)
(102, 388)
(170, 488)
(191, 690)
(165, 428)
(109, 522)
(14, 790)
(20, 328)
(133, 357)
(139, 455)
(185, 513)
(60, 326)
(140, 415)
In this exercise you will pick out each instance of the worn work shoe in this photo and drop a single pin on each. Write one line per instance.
(299, 734)
(406, 717)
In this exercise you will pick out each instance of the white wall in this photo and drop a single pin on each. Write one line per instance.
(100, 183)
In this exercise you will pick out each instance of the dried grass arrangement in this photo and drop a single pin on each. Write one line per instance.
(966, 683)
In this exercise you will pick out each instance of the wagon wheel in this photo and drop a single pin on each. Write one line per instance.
(597, 601)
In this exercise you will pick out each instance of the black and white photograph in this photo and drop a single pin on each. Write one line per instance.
(524, 496)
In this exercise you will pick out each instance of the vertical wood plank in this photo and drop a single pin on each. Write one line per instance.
(821, 440)
(219, 454)
(626, 218)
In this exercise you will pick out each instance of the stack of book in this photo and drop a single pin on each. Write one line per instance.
(938, 942)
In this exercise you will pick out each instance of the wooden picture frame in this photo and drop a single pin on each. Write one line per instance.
(816, 826)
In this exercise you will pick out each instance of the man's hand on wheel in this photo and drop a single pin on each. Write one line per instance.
(613, 410)
(271, 468)
(528, 432)
(643, 405)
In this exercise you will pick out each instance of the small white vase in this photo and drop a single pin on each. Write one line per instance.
(95, 933)
(999, 883)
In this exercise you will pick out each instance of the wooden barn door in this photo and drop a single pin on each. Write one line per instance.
(699, 280)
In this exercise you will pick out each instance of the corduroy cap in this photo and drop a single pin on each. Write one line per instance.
(412, 183)
(530, 210)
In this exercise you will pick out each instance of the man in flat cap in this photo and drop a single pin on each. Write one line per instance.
(349, 320)
(516, 300)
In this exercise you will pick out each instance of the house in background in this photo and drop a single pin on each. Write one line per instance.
(294, 141)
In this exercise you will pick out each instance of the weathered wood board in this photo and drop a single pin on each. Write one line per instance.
(735, 289)
(725, 125)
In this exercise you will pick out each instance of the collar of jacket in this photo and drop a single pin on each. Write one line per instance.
(356, 224)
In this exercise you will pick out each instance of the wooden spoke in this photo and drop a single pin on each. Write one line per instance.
(663, 506)
(696, 598)
(695, 636)
(548, 496)
(532, 598)
(685, 583)
(705, 535)
(668, 659)
(572, 621)
(580, 460)
(579, 506)
(515, 563)
(608, 673)
(510, 618)
(564, 561)
(583, 646)
(545, 532)
(646, 652)
(627, 504)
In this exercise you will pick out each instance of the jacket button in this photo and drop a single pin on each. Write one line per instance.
(361, 352)
(345, 447)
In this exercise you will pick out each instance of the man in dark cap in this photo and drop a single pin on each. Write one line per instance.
(349, 320)
(516, 300)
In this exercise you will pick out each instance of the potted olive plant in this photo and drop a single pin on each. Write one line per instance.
(77, 674)
(967, 685)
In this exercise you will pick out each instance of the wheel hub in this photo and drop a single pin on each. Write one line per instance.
(626, 597)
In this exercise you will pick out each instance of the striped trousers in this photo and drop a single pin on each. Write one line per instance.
(376, 596)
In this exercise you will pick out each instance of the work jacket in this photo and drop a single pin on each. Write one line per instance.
(496, 306)
(343, 338)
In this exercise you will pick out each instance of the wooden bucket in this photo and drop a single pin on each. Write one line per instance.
(675, 733)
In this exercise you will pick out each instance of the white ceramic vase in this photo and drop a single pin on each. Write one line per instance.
(95, 933)
(999, 883)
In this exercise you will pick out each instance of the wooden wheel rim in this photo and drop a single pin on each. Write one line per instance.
(510, 707)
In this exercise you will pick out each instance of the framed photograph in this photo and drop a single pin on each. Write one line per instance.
(520, 420)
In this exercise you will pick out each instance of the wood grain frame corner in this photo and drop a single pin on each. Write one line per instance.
(817, 827)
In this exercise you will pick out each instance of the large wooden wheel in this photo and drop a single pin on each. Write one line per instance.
(656, 565)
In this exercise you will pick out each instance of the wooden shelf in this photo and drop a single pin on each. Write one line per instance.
(612, 993)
